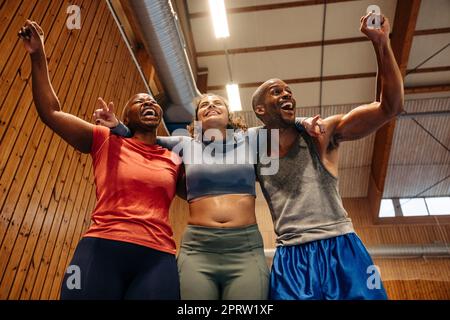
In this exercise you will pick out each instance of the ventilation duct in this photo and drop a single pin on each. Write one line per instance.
(164, 40)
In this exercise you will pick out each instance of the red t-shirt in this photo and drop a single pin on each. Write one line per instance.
(135, 184)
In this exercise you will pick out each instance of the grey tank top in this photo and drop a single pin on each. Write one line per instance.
(303, 197)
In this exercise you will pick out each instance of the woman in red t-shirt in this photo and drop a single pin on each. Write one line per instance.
(128, 252)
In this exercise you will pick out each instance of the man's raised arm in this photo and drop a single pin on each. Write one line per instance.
(366, 119)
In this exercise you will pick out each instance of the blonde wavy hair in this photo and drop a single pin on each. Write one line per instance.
(234, 122)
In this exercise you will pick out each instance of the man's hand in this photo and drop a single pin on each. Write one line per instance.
(314, 126)
(376, 35)
(105, 115)
(33, 37)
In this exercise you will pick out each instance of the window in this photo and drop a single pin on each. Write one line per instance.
(438, 206)
(414, 207)
(387, 208)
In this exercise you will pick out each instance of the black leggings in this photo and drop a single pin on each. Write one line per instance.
(108, 269)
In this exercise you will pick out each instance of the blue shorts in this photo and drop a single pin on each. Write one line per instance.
(338, 268)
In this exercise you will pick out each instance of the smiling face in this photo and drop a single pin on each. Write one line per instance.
(142, 113)
(274, 104)
(212, 111)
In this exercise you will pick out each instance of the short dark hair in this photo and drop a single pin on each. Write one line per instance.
(127, 106)
(258, 95)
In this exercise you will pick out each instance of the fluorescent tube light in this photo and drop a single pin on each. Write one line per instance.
(234, 98)
(219, 18)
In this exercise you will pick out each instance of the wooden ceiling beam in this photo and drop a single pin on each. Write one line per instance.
(431, 88)
(431, 31)
(408, 90)
(202, 80)
(282, 46)
(428, 89)
(429, 70)
(303, 80)
(308, 44)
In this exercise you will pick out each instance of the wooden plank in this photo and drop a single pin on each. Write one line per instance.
(431, 31)
(13, 127)
(428, 89)
(22, 166)
(11, 81)
(10, 40)
(202, 80)
(285, 46)
(52, 220)
(31, 193)
(431, 88)
(37, 224)
(429, 70)
(14, 149)
(47, 271)
(303, 80)
(7, 14)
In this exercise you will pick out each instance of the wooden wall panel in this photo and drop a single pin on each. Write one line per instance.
(417, 279)
(179, 213)
(47, 191)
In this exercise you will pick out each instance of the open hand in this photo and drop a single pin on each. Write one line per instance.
(105, 115)
(314, 126)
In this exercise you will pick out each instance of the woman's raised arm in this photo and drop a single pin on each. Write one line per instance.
(77, 132)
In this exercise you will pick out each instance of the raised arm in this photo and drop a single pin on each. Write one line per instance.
(366, 119)
(77, 132)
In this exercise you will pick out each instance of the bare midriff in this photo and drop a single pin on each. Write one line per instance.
(223, 211)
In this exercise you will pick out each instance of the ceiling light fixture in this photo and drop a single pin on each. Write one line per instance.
(219, 18)
(234, 98)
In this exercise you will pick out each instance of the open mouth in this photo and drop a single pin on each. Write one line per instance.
(287, 106)
(211, 113)
(149, 113)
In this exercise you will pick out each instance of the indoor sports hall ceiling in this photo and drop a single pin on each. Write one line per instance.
(319, 50)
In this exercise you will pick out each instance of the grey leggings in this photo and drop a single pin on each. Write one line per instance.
(223, 263)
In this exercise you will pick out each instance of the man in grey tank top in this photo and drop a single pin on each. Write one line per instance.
(318, 254)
